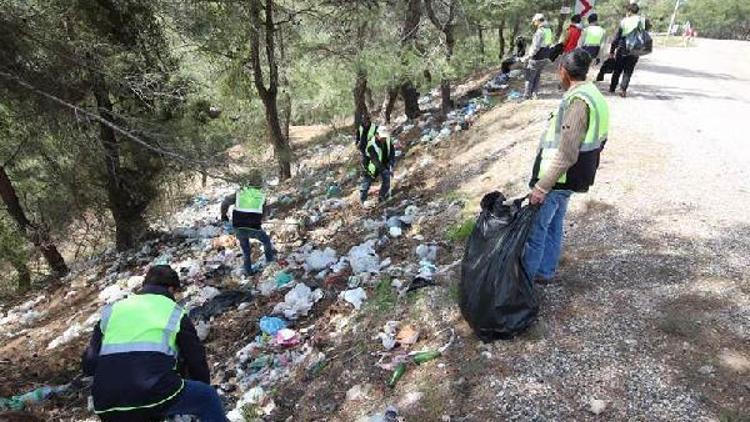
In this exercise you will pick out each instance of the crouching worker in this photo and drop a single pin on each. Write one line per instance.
(249, 209)
(566, 162)
(133, 356)
(379, 159)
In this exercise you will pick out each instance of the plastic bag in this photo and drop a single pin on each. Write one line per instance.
(497, 297)
(639, 42)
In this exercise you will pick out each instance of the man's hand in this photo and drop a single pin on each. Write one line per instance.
(536, 196)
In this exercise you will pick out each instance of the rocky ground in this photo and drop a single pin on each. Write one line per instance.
(649, 319)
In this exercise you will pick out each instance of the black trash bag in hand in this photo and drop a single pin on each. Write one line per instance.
(497, 298)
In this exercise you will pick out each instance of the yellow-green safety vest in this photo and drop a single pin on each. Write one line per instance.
(593, 36)
(547, 36)
(596, 134)
(250, 199)
(141, 323)
(371, 167)
(370, 133)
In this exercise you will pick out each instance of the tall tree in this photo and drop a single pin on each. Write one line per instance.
(446, 25)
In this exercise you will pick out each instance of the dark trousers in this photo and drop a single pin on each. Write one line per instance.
(624, 65)
(385, 185)
(244, 235)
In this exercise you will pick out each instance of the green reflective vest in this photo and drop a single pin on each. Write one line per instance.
(141, 323)
(629, 24)
(250, 199)
(370, 133)
(547, 36)
(371, 167)
(595, 136)
(593, 36)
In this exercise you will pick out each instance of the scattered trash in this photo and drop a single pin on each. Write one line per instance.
(333, 191)
(390, 415)
(202, 328)
(38, 395)
(597, 406)
(355, 296)
(388, 335)
(407, 335)
(271, 325)
(394, 231)
(286, 337)
(111, 294)
(320, 259)
(514, 95)
(359, 392)
(298, 301)
(254, 397)
(397, 374)
(218, 303)
(364, 259)
(427, 253)
(283, 278)
(419, 282)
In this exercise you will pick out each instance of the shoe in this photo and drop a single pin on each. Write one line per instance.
(544, 281)
(623, 94)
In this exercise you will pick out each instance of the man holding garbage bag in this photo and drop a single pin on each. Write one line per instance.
(566, 162)
(249, 204)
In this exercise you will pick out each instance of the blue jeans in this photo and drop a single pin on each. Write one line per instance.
(544, 244)
(385, 186)
(198, 399)
(244, 236)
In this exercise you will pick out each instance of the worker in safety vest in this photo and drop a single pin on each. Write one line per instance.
(366, 131)
(249, 209)
(592, 37)
(380, 156)
(624, 61)
(138, 351)
(538, 54)
(566, 162)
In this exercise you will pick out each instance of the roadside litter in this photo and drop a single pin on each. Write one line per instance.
(271, 325)
(400, 361)
(354, 296)
(298, 301)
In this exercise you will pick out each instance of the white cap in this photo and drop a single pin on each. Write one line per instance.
(538, 17)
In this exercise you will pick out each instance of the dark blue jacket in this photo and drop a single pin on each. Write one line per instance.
(140, 378)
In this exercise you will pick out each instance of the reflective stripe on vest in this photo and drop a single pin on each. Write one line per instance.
(629, 24)
(370, 133)
(593, 36)
(596, 133)
(141, 323)
(371, 167)
(250, 199)
(546, 36)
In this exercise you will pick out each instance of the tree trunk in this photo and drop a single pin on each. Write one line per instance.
(390, 101)
(516, 28)
(24, 276)
(501, 39)
(360, 97)
(127, 210)
(411, 100)
(370, 100)
(445, 95)
(37, 235)
(269, 94)
(481, 43)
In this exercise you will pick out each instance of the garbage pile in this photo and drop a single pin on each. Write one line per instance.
(457, 120)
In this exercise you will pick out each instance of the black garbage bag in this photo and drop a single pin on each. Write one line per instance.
(497, 298)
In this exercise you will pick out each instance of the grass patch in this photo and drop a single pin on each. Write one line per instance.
(459, 232)
(384, 296)
(454, 196)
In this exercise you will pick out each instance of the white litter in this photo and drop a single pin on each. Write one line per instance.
(354, 296)
(112, 294)
(427, 253)
(410, 214)
(320, 259)
(388, 335)
(202, 328)
(298, 301)
(364, 259)
(395, 231)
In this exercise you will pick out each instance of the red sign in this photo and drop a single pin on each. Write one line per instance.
(583, 7)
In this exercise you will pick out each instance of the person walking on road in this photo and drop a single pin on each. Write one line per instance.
(592, 37)
(566, 162)
(624, 61)
(249, 209)
(380, 156)
(537, 56)
(570, 36)
(133, 357)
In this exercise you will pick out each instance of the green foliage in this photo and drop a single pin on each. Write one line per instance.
(459, 232)
(384, 296)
